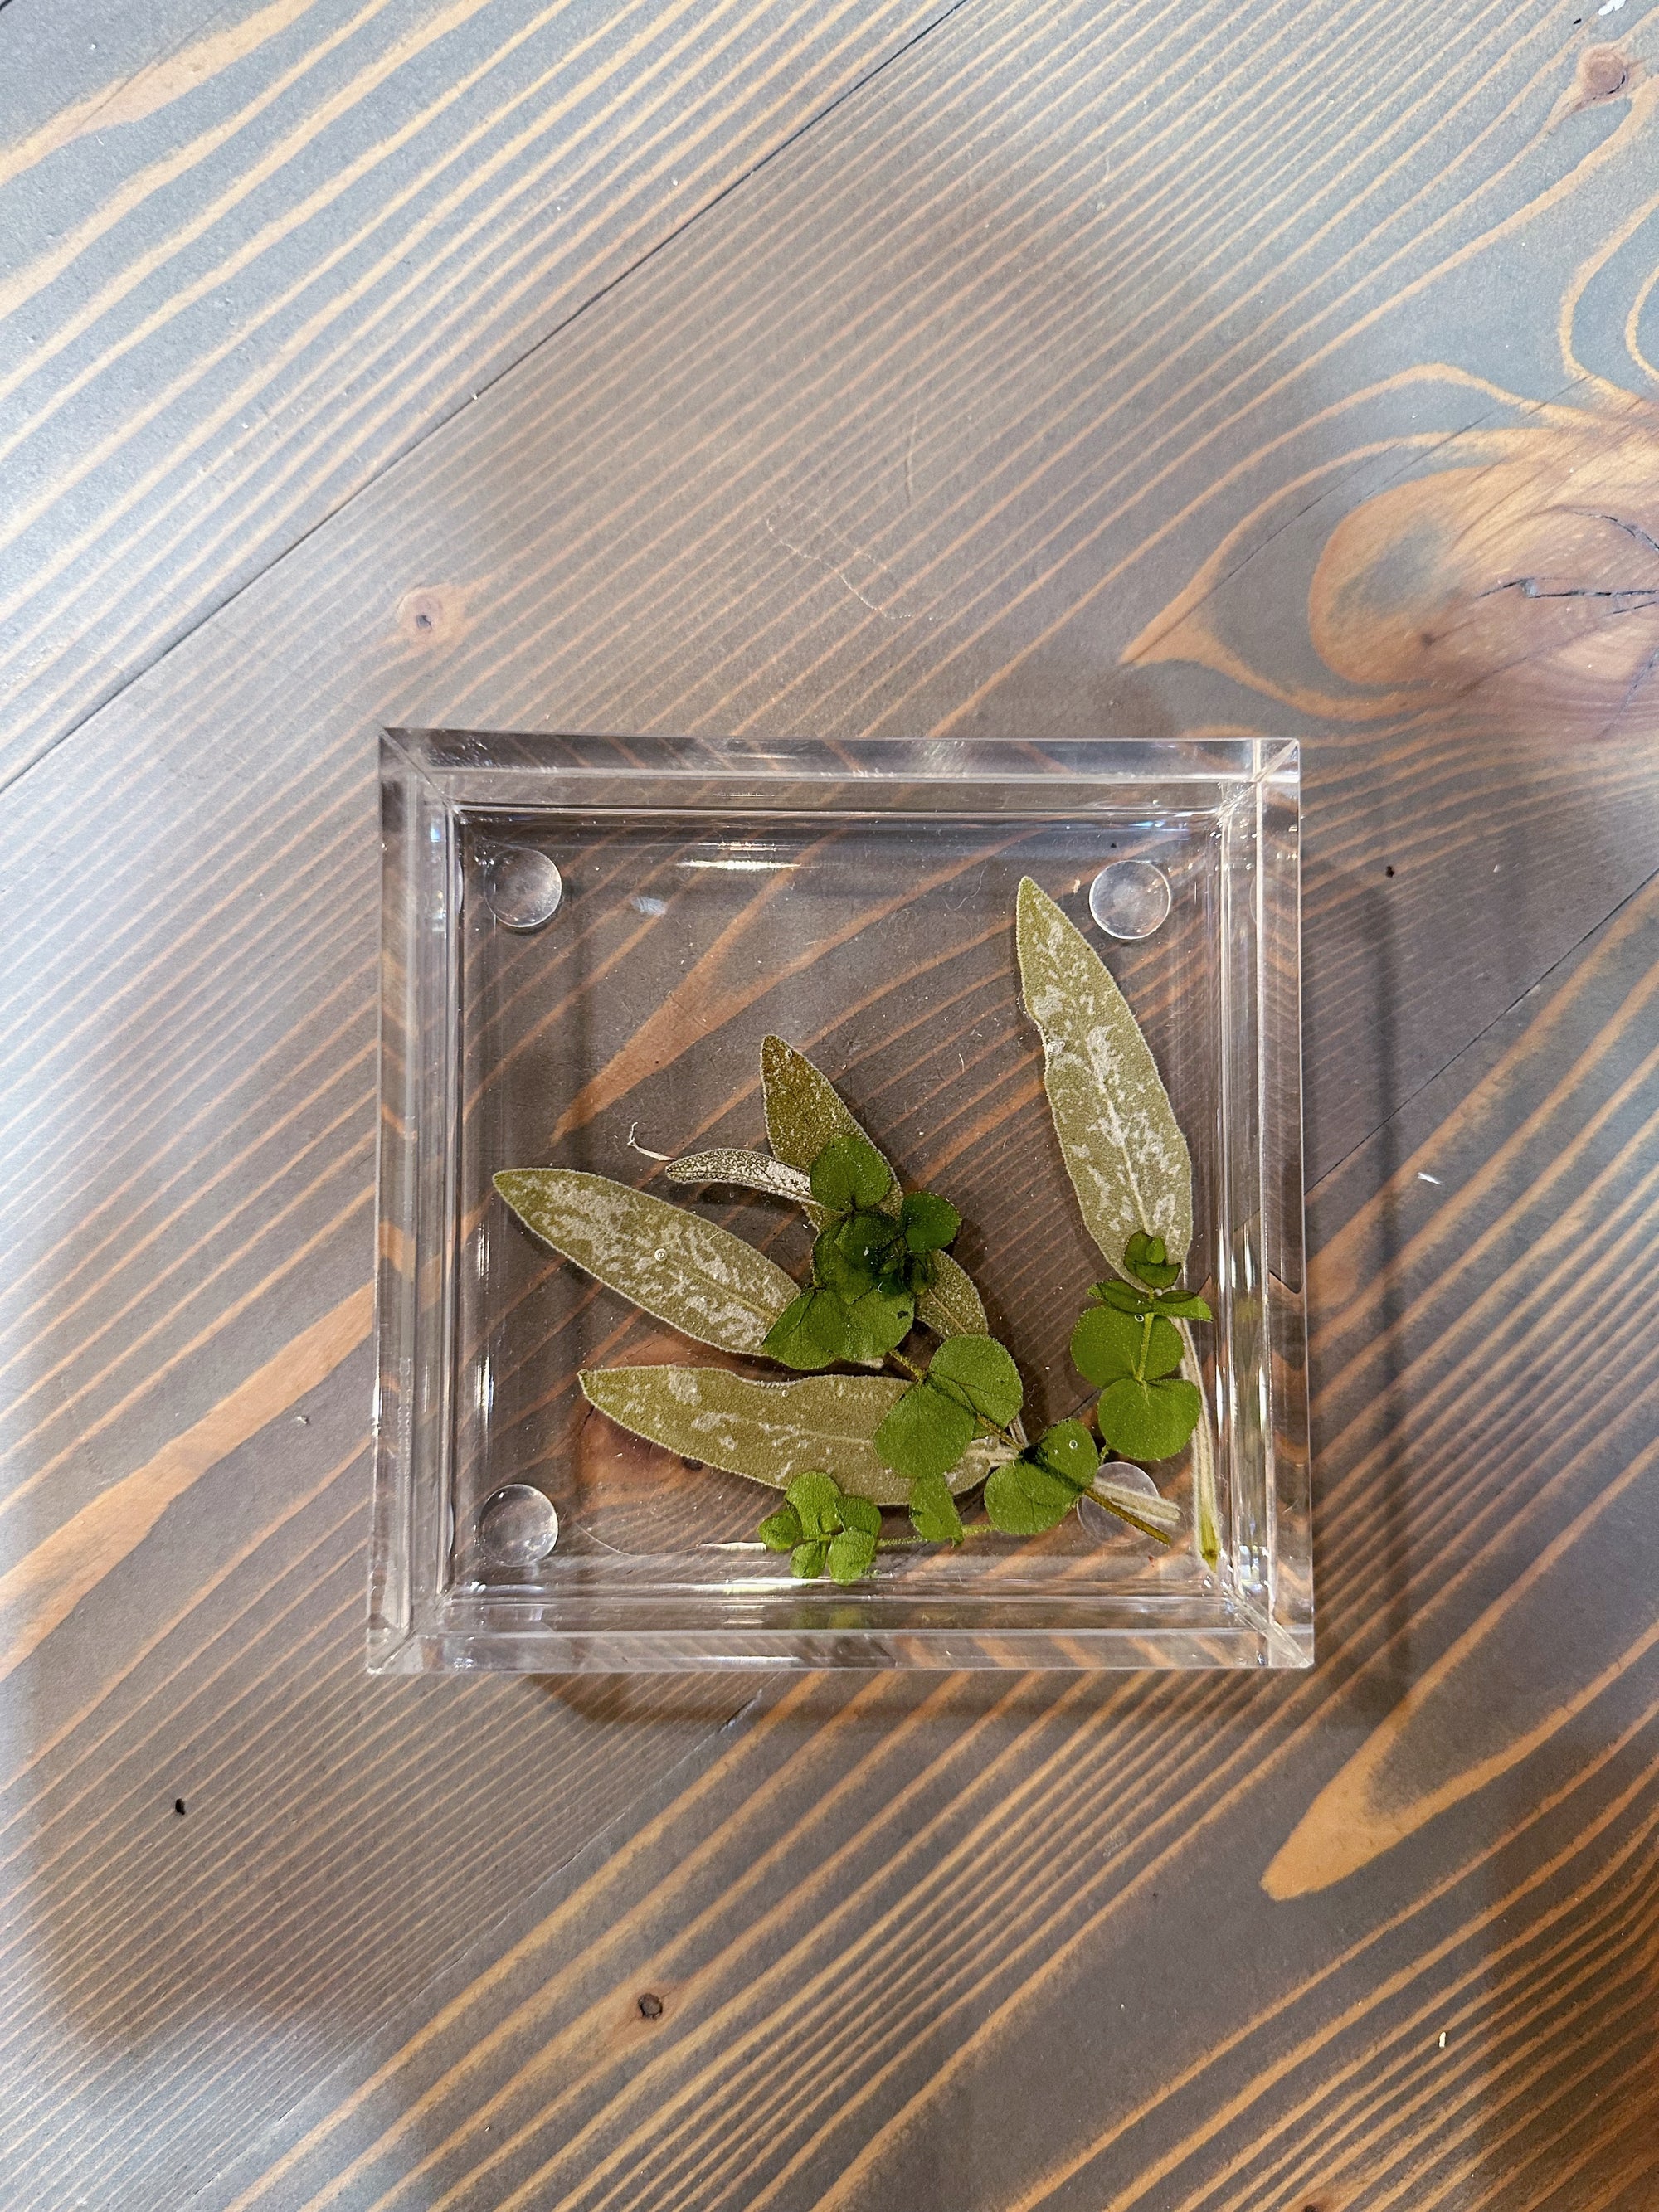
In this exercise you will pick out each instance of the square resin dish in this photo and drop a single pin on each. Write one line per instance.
(586, 940)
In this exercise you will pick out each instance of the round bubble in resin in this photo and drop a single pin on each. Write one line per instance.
(1130, 898)
(1099, 1520)
(522, 887)
(517, 1526)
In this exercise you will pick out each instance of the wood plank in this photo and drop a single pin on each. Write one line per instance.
(251, 259)
(932, 423)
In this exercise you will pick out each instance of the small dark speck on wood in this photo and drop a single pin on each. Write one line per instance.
(650, 2005)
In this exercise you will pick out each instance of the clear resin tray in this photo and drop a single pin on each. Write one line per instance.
(585, 942)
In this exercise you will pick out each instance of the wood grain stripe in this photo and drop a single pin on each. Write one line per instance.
(56, 1573)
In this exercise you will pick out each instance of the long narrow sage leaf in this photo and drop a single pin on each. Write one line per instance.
(1123, 1149)
(691, 1274)
(744, 1170)
(769, 1432)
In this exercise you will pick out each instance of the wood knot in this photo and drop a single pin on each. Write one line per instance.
(433, 614)
(1532, 579)
(1603, 74)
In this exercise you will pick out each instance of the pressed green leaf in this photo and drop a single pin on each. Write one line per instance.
(1019, 1507)
(769, 1432)
(825, 1324)
(803, 1110)
(1148, 1421)
(816, 1497)
(929, 1223)
(856, 1252)
(780, 1531)
(933, 1514)
(1107, 1345)
(860, 1513)
(1043, 1486)
(1145, 1258)
(950, 1305)
(849, 1173)
(852, 1555)
(806, 1561)
(743, 1170)
(879, 1324)
(956, 1394)
(834, 1268)
(1123, 1146)
(820, 1327)
(1163, 1349)
(697, 1277)
(924, 1433)
(1069, 1451)
(984, 1372)
(793, 1341)
(1124, 1152)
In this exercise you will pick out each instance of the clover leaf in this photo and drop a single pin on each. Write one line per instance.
(850, 1174)
(929, 1223)
(926, 1432)
(858, 1251)
(876, 1323)
(823, 1530)
(851, 1554)
(1035, 1492)
(978, 1372)
(1145, 1257)
(1107, 1345)
(1127, 1297)
(780, 1531)
(933, 1514)
(817, 1499)
(860, 1513)
(1148, 1419)
(796, 1339)
(1069, 1450)
(1023, 1499)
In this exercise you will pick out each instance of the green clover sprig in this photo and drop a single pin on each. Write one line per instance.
(869, 1261)
(1127, 1343)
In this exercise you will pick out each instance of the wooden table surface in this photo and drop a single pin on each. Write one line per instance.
(1022, 366)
